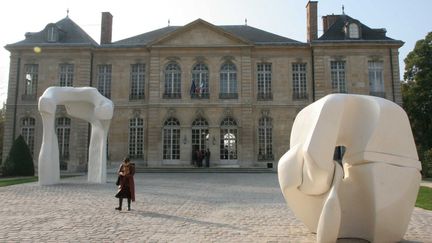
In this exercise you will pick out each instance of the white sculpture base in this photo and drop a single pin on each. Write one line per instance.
(87, 104)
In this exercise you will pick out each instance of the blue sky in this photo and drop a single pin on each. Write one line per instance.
(404, 20)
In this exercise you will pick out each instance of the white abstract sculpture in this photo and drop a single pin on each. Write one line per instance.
(373, 194)
(87, 104)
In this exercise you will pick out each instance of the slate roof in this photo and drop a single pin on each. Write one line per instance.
(72, 35)
(248, 33)
(257, 36)
(336, 32)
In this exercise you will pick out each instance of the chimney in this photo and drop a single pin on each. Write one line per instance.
(106, 28)
(328, 21)
(312, 19)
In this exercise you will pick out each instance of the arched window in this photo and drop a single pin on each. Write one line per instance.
(171, 139)
(200, 81)
(265, 139)
(353, 31)
(63, 126)
(200, 134)
(136, 137)
(228, 81)
(228, 139)
(172, 81)
(28, 131)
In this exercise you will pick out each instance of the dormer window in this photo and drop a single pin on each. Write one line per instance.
(352, 31)
(52, 33)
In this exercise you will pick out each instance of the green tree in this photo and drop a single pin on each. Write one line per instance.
(2, 120)
(19, 161)
(417, 93)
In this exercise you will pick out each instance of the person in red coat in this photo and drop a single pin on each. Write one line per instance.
(126, 183)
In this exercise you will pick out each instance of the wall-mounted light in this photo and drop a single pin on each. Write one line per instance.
(184, 139)
(214, 140)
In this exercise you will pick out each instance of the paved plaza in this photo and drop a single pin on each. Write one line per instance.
(170, 207)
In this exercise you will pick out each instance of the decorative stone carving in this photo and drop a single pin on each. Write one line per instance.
(199, 112)
(372, 194)
(265, 112)
(85, 103)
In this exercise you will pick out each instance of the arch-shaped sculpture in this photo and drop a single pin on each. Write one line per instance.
(85, 103)
(372, 195)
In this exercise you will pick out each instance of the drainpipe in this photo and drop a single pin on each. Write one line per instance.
(313, 74)
(392, 75)
(16, 98)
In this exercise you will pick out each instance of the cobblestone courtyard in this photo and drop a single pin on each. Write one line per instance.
(170, 207)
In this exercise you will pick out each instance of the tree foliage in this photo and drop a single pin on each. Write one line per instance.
(417, 93)
(19, 161)
(2, 121)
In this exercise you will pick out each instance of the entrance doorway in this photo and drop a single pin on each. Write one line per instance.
(200, 139)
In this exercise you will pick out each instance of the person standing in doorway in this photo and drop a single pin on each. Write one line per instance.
(126, 183)
(207, 158)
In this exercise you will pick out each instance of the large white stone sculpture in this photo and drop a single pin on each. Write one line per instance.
(372, 195)
(85, 103)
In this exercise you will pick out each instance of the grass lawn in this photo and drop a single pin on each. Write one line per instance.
(20, 180)
(15, 180)
(424, 198)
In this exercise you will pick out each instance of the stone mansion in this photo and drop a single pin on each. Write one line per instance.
(233, 89)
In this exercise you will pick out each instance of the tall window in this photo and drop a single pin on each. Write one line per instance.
(66, 75)
(63, 126)
(228, 81)
(200, 134)
(137, 81)
(200, 81)
(136, 137)
(104, 80)
(172, 81)
(376, 79)
(353, 31)
(28, 131)
(171, 139)
(264, 76)
(299, 81)
(52, 34)
(265, 138)
(338, 76)
(228, 139)
(31, 80)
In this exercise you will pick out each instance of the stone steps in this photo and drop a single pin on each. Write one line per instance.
(203, 170)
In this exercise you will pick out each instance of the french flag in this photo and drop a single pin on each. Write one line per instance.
(193, 87)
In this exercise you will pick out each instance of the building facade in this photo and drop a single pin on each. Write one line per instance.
(232, 90)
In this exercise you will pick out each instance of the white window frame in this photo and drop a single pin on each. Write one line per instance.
(136, 138)
(66, 75)
(137, 85)
(338, 75)
(376, 78)
(299, 81)
(28, 131)
(105, 79)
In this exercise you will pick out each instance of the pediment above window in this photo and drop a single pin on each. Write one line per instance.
(200, 33)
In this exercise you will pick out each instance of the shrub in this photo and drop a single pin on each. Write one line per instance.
(19, 161)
